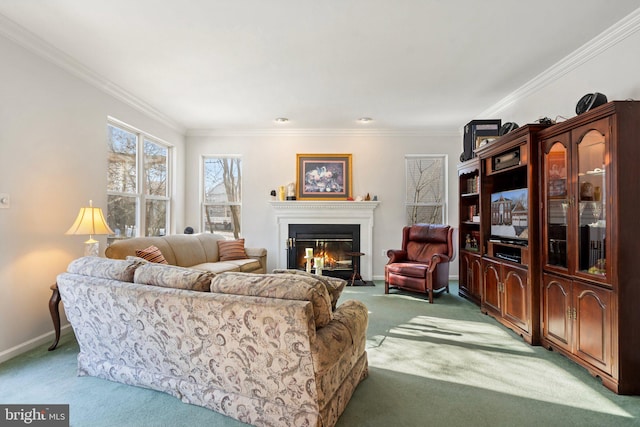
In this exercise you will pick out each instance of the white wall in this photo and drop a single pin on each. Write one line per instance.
(614, 72)
(270, 161)
(52, 161)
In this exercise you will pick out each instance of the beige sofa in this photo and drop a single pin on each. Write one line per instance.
(199, 251)
(266, 349)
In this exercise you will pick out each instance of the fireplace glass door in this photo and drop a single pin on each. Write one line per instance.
(333, 243)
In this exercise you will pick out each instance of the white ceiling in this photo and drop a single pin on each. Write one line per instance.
(408, 64)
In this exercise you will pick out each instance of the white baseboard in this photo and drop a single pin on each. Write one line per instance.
(33, 343)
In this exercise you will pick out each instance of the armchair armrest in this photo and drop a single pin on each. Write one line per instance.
(396, 255)
(437, 259)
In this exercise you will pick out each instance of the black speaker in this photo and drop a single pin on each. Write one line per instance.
(508, 127)
(589, 102)
(476, 130)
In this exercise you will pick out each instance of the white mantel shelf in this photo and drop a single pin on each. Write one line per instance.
(323, 204)
(327, 212)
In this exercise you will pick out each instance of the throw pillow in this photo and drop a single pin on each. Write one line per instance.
(231, 249)
(171, 276)
(334, 285)
(151, 254)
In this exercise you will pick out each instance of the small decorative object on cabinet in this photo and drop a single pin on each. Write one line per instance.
(590, 229)
(469, 230)
(509, 231)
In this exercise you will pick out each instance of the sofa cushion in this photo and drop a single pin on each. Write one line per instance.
(216, 267)
(152, 254)
(114, 269)
(334, 285)
(171, 276)
(285, 286)
(231, 249)
(249, 265)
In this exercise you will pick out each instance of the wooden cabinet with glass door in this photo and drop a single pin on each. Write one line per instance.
(590, 232)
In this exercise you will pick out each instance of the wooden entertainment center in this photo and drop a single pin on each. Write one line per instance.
(556, 237)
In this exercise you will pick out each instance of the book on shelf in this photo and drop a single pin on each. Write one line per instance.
(473, 185)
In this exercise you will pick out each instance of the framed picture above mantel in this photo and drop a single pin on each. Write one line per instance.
(323, 176)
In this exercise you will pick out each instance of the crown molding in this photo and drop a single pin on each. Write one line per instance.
(40, 47)
(605, 40)
(371, 132)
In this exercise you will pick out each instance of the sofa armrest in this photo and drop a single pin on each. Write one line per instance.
(260, 254)
(346, 332)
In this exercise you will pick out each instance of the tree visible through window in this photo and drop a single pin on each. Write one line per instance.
(222, 195)
(137, 192)
(426, 185)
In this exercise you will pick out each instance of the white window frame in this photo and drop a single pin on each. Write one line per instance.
(445, 179)
(204, 204)
(140, 195)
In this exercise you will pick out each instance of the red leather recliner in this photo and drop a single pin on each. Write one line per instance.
(422, 265)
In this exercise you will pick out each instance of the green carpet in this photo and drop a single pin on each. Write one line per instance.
(441, 364)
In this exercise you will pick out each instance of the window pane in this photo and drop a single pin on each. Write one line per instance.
(222, 180)
(223, 219)
(122, 161)
(155, 169)
(425, 180)
(424, 215)
(156, 217)
(121, 215)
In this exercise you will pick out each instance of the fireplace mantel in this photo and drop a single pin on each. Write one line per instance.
(327, 212)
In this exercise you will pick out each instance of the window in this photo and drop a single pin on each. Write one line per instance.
(222, 197)
(138, 191)
(426, 197)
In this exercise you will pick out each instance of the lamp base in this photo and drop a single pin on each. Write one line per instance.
(91, 248)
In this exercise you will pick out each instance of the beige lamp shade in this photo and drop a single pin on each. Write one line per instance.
(90, 221)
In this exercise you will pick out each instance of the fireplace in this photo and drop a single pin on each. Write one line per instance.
(332, 242)
(288, 213)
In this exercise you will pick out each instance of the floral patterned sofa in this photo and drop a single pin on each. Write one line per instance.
(266, 349)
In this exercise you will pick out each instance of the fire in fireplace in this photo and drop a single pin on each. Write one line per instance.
(331, 242)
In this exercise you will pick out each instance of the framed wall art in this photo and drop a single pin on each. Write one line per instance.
(323, 176)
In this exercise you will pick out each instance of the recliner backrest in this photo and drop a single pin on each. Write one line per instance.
(422, 241)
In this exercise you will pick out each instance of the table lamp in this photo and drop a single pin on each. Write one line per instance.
(90, 221)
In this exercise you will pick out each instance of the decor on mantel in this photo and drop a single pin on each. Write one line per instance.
(90, 221)
(323, 176)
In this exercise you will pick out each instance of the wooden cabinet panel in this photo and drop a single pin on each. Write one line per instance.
(593, 325)
(491, 286)
(476, 271)
(556, 313)
(470, 276)
(516, 296)
(506, 293)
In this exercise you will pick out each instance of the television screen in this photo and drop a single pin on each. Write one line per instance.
(509, 214)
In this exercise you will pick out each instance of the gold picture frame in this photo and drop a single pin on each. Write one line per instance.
(323, 176)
